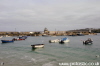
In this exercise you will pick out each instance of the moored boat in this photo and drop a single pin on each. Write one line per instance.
(23, 37)
(53, 41)
(45, 35)
(80, 34)
(7, 41)
(17, 39)
(88, 41)
(64, 40)
(37, 46)
(20, 38)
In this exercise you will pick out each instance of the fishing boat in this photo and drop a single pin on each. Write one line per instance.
(7, 41)
(37, 46)
(53, 41)
(80, 34)
(64, 40)
(17, 39)
(20, 38)
(88, 41)
(45, 35)
(23, 37)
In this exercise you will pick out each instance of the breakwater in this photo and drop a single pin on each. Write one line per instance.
(52, 33)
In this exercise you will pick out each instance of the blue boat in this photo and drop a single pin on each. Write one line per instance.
(64, 40)
(7, 41)
(23, 37)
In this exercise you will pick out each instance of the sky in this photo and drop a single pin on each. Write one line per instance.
(59, 15)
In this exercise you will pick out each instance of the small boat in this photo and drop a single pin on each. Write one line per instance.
(72, 35)
(80, 34)
(23, 37)
(17, 39)
(89, 41)
(45, 35)
(7, 41)
(53, 41)
(64, 40)
(37, 46)
(20, 38)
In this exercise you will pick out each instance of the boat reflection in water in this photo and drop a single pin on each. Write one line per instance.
(37, 49)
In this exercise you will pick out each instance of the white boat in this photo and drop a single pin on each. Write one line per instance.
(37, 46)
(53, 41)
(64, 40)
(45, 35)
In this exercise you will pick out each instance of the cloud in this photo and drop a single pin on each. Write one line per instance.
(60, 14)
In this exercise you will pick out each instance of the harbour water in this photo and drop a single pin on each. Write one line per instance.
(20, 53)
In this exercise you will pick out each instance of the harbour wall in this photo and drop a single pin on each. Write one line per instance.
(52, 33)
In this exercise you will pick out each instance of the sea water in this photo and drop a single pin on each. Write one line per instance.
(20, 53)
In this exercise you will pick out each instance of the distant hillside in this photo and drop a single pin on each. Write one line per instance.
(96, 30)
(93, 30)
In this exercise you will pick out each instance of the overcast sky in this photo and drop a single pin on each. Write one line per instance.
(60, 15)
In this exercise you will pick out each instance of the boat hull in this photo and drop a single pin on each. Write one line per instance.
(53, 41)
(7, 41)
(23, 37)
(18, 39)
(65, 41)
(87, 42)
(38, 46)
